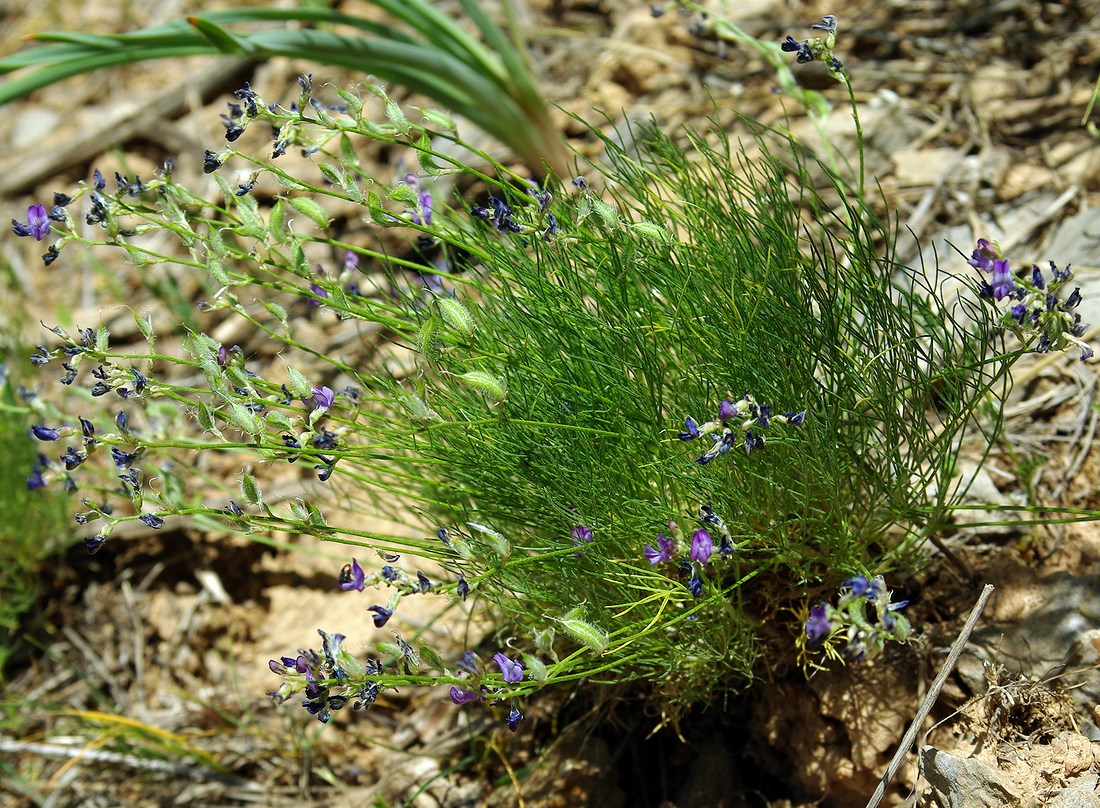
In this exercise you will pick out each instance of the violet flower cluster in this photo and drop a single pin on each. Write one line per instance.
(38, 224)
(816, 49)
(250, 403)
(743, 422)
(533, 218)
(864, 616)
(328, 679)
(474, 686)
(699, 551)
(1036, 309)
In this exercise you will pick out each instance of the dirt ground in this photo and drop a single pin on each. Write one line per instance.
(972, 114)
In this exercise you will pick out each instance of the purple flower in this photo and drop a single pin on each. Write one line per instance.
(514, 717)
(45, 432)
(38, 223)
(726, 410)
(702, 546)
(423, 213)
(352, 577)
(152, 520)
(322, 398)
(35, 480)
(764, 417)
(124, 460)
(695, 585)
(858, 586)
(691, 429)
(463, 696)
(72, 458)
(1003, 281)
(470, 663)
(510, 671)
(381, 615)
(818, 626)
(581, 534)
(665, 548)
(983, 255)
(423, 583)
(351, 260)
(463, 588)
(803, 49)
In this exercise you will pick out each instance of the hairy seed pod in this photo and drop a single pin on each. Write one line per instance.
(584, 632)
(456, 316)
(486, 383)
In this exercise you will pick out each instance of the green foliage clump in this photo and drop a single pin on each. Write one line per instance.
(643, 418)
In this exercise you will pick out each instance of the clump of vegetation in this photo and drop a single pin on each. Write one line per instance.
(635, 414)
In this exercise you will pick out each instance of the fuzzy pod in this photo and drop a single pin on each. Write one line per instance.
(500, 545)
(280, 421)
(440, 120)
(217, 271)
(404, 194)
(250, 490)
(205, 416)
(426, 343)
(456, 316)
(144, 322)
(424, 157)
(584, 632)
(486, 383)
(277, 311)
(397, 118)
(244, 419)
(311, 208)
(544, 643)
(463, 549)
(276, 222)
(379, 215)
(298, 383)
(607, 214)
(354, 104)
(430, 658)
(652, 231)
(418, 409)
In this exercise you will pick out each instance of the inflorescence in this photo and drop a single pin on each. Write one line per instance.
(1036, 310)
(817, 49)
(691, 571)
(864, 617)
(332, 678)
(743, 422)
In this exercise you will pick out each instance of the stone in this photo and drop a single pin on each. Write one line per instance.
(962, 782)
